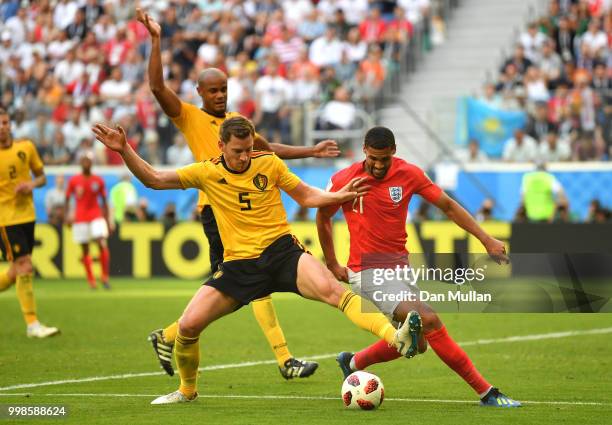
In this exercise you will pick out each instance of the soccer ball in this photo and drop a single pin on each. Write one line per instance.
(362, 390)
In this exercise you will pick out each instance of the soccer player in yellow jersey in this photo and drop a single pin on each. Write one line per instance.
(200, 126)
(17, 218)
(261, 256)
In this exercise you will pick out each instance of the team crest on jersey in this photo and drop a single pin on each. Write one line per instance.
(260, 181)
(395, 192)
(95, 187)
(22, 156)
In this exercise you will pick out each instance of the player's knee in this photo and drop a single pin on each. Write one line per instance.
(430, 320)
(189, 327)
(331, 292)
(23, 265)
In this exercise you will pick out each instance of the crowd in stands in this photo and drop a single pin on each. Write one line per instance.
(560, 73)
(65, 64)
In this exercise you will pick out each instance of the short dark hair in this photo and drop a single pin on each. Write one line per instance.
(379, 138)
(239, 127)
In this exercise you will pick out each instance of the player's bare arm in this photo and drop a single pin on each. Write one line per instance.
(312, 197)
(495, 248)
(324, 230)
(325, 149)
(168, 99)
(116, 140)
(39, 180)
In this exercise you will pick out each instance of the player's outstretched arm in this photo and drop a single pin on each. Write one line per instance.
(116, 140)
(168, 100)
(312, 197)
(455, 212)
(324, 229)
(324, 149)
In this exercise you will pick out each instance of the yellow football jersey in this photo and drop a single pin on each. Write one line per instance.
(247, 205)
(16, 164)
(201, 130)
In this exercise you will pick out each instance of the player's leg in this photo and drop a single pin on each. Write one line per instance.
(104, 262)
(435, 333)
(99, 232)
(263, 309)
(316, 282)
(81, 235)
(206, 306)
(163, 339)
(7, 278)
(88, 265)
(21, 242)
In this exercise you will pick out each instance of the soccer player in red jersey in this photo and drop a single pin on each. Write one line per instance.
(377, 228)
(90, 221)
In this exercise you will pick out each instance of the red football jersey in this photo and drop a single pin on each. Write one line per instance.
(86, 190)
(377, 221)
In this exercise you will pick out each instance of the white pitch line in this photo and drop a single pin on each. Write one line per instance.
(298, 397)
(516, 338)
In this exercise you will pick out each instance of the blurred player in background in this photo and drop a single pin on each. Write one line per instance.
(200, 127)
(261, 255)
(377, 228)
(17, 220)
(90, 222)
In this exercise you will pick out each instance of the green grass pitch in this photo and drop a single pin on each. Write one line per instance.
(562, 379)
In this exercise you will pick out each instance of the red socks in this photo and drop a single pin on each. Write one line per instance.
(376, 353)
(105, 263)
(91, 280)
(444, 346)
(454, 356)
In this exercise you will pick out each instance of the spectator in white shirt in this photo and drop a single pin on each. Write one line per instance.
(594, 39)
(59, 47)
(326, 50)
(75, 130)
(416, 10)
(536, 88)
(520, 148)
(272, 92)
(179, 153)
(104, 29)
(306, 87)
(64, 12)
(472, 153)
(339, 113)
(296, 10)
(115, 90)
(553, 149)
(550, 62)
(7, 48)
(18, 26)
(532, 41)
(69, 69)
(354, 46)
(327, 9)
(355, 11)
